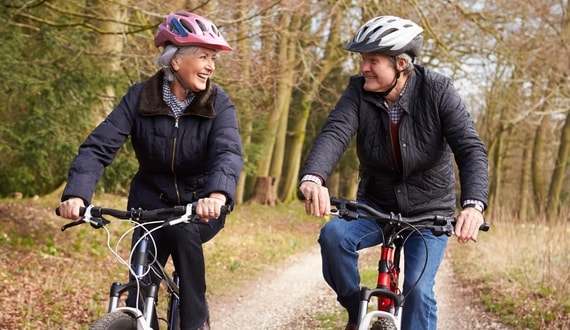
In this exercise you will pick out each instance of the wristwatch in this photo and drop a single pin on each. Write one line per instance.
(478, 205)
(312, 178)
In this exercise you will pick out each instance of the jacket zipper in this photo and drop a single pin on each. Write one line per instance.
(172, 160)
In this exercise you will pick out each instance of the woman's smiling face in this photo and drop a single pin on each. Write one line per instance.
(195, 67)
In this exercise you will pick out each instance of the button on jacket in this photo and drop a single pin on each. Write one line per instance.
(434, 128)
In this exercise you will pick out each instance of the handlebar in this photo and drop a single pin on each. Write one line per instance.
(438, 224)
(181, 213)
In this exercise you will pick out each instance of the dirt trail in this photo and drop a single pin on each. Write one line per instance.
(292, 293)
(291, 296)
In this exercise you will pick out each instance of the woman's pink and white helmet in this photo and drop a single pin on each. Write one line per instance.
(188, 29)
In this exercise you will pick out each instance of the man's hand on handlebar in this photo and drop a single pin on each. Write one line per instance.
(467, 227)
(70, 208)
(317, 199)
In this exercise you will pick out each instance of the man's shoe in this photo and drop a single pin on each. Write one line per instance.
(351, 327)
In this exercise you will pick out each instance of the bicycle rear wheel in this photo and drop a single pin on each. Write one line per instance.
(115, 321)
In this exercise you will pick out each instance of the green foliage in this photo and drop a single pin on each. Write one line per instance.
(45, 91)
(51, 84)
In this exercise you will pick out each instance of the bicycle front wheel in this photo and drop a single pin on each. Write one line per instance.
(383, 324)
(115, 321)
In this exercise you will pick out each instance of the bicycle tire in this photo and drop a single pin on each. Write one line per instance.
(383, 324)
(115, 321)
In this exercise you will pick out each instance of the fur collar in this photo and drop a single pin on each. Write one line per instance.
(151, 102)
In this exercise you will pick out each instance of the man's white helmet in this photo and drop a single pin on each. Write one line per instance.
(389, 35)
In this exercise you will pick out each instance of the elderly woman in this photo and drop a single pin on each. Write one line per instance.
(184, 132)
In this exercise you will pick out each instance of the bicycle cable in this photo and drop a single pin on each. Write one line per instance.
(406, 237)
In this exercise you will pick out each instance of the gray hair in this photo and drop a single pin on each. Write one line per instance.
(164, 60)
(409, 62)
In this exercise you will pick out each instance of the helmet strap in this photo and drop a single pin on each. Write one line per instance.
(386, 92)
(187, 90)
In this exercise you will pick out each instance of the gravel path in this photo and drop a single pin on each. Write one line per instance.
(274, 300)
(290, 297)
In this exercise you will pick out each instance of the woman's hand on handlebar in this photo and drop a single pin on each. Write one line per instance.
(467, 226)
(70, 208)
(210, 207)
(317, 199)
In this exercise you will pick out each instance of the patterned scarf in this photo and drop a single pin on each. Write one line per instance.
(172, 101)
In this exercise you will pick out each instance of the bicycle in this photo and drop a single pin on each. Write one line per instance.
(142, 264)
(388, 313)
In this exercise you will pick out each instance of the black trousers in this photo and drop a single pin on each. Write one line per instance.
(184, 243)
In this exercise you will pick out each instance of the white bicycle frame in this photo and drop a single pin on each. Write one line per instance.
(142, 322)
(143, 318)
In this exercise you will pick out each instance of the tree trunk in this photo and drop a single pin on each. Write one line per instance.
(110, 45)
(525, 198)
(559, 171)
(539, 184)
(563, 96)
(284, 94)
(265, 191)
(318, 73)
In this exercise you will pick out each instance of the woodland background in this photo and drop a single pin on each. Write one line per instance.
(64, 65)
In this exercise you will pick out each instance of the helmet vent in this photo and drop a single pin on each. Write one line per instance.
(201, 25)
(388, 35)
(187, 26)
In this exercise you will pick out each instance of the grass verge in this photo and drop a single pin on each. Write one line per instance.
(520, 271)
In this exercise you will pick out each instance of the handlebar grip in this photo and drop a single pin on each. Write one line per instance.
(226, 209)
(81, 211)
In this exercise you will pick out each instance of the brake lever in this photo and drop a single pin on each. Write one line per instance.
(187, 217)
(196, 219)
(72, 224)
(95, 222)
(443, 230)
(345, 214)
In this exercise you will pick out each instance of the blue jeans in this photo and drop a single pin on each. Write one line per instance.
(340, 240)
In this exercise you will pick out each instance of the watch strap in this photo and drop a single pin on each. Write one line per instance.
(313, 178)
(478, 205)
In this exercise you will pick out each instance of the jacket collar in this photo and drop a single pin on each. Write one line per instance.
(151, 102)
(406, 97)
(404, 100)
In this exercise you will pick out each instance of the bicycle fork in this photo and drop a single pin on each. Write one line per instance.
(389, 273)
(137, 283)
(390, 301)
(150, 293)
